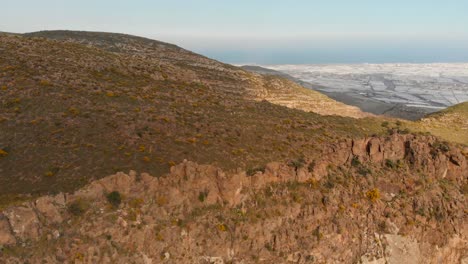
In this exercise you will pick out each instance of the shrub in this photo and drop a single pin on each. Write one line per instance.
(78, 207)
(312, 182)
(161, 200)
(404, 131)
(44, 83)
(73, 111)
(391, 164)
(318, 235)
(297, 163)
(364, 171)
(442, 146)
(136, 203)
(384, 124)
(114, 198)
(254, 170)
(464, 189)
(52, 171)
(311, 166)
(355, 161)
(3, 153)
(222, 227)
(202, 196)
(373, 195)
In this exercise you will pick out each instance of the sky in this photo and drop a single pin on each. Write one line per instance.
(268, 32)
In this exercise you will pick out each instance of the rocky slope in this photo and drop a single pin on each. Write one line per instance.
(361, 201)
(81, 109)
(182, 65)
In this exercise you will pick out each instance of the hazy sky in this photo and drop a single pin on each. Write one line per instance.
(257, 31)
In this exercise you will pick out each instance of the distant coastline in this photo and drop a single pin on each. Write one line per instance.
(403, 90)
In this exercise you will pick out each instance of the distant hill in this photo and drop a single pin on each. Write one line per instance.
(108, 41)
(188, 66)
(266, 71)
(451, 122)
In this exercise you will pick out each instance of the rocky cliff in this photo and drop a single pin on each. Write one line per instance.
(394, 199)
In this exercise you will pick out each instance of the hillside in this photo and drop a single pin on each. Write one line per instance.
(182, 65)
(71, 112)
(451, 122)
(245, 168)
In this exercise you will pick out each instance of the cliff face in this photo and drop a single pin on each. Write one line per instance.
(377, 200)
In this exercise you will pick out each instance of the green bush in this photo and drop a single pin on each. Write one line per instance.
(78, 207)
(297, 163)
(202, 196)
(252, 171)
(391, 164)
(364, 171)
(311, 166)
(355, 162)
(114, 198)
(404, 131)
(442, 146)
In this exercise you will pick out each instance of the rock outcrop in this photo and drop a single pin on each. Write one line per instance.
(421, 152)
(377, 200)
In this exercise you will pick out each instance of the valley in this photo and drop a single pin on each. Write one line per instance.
(407, 91)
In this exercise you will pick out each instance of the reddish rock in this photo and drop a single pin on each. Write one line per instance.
(6, 235)
(49, 207)
(24, 222)
(374, 150)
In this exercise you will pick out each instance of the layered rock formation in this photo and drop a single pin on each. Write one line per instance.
(398, 199)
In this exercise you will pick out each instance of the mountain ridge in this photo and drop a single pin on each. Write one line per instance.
(79, 103)
(281, 183)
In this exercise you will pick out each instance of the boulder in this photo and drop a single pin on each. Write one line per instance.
(120, 182)
(359, 148)
(24, 222)
(49, 207)
(6, 235)
(374, 150)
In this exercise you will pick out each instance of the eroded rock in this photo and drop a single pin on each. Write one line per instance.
(6, 235)
(24, 222)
